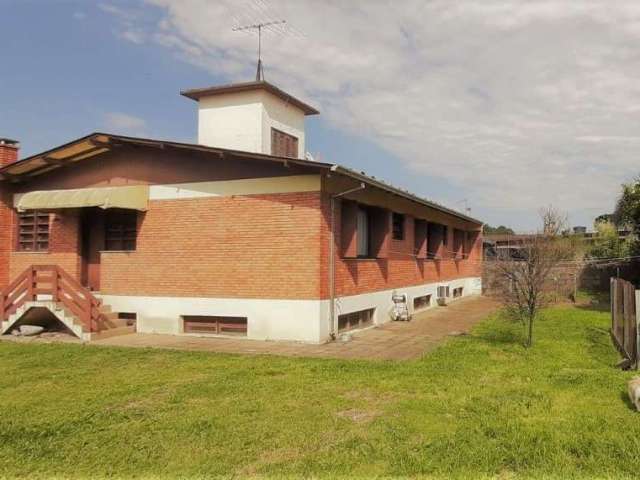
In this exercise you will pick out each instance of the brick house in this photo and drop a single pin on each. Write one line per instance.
(238, 234)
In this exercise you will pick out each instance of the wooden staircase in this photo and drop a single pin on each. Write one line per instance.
(50, 287)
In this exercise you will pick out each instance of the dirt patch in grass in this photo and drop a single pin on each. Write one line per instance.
(358, 415)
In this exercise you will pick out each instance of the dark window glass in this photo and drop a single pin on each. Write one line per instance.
(398, 226)
(121, 230)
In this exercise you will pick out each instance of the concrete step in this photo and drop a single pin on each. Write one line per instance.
(113, 332)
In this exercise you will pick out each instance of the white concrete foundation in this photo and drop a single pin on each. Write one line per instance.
(298, 320)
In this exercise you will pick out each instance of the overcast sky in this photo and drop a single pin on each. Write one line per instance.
(509, 105)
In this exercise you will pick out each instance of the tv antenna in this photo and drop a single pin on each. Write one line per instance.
(259, 27)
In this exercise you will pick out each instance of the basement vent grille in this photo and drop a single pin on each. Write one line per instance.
(355, 320)
(422, 302)
(236, 326)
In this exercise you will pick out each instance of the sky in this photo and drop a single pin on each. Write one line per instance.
(499, 106)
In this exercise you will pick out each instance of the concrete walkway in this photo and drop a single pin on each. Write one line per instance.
(392, 341)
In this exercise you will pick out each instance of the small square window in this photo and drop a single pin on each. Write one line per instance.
(398, 226)
(33, 231)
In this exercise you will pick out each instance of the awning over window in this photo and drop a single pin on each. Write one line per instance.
(130, 197)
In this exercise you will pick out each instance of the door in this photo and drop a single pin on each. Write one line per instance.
(92, 245)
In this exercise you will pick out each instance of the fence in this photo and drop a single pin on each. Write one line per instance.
(625, 318)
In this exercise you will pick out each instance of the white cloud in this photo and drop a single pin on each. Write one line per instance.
(125, 124)
(517, 104)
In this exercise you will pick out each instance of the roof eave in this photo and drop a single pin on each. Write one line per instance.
(402, 193)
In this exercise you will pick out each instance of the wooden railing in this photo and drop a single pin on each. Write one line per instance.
(56, 285)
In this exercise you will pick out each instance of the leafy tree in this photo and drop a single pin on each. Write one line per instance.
(501, 230)
(627, 210)
(604, 218)
(607, 243)
(627, 213)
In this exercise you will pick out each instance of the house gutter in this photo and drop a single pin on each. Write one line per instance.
(332, 259)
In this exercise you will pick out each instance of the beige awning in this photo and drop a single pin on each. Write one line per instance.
(131, 197)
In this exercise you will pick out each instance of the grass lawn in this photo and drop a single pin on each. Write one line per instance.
(479, 406)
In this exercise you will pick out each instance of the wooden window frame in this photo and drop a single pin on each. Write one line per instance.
(121, 235)
(40, 234)
(283, 144)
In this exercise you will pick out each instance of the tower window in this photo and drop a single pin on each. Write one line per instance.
(283, 144)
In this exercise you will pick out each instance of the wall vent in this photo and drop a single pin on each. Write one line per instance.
(236, 326)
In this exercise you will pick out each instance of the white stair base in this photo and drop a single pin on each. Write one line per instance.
(67, 318)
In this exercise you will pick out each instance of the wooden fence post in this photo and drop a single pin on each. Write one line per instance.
(637, 330)
(612, 300)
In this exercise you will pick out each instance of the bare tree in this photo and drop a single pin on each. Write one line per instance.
(525, 284)
(554, 221)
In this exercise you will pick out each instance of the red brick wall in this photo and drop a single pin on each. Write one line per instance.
(5, 235)
(8, 154)
(64, 246)
(257, 246)
(401, 268)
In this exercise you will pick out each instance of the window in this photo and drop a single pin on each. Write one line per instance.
(445, 235)
(398, 226)
(283, 144)
(33, 231)
(355, 320)
(457, 292)
(215, 325)
(120, 230)
(422, 302)
(362, 233)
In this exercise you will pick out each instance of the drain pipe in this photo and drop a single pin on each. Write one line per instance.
(332, 259)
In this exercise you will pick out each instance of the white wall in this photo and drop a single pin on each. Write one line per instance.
(299, 320)
(231, 121)
(284, 117)
(243, 121)
(266, 319)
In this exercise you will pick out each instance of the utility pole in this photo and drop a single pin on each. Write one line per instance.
(259, 27)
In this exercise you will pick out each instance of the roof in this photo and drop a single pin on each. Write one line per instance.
(198, 93)
(98, 142)
(8, 141)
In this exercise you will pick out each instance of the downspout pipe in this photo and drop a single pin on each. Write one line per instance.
(332, 259)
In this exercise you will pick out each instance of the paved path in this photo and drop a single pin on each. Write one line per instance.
(392, 341)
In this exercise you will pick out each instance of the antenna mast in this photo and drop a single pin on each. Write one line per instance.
(259, 27)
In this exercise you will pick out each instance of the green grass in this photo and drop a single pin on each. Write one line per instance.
(479, 406)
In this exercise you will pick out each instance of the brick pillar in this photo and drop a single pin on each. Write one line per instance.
(8, 154)
(6, 229)
(8, 151)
